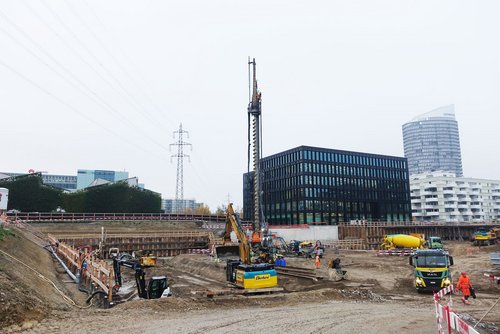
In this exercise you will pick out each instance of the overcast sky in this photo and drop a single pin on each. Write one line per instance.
(94, 84)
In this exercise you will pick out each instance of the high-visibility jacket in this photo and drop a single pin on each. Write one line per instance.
(464, 285)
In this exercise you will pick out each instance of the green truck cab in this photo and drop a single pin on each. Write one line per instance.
(432, 269)
(434, 243)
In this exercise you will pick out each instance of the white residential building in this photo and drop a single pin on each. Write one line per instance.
(441, 196)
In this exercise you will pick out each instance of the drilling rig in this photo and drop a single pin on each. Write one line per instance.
(260, 227)
(260, 241)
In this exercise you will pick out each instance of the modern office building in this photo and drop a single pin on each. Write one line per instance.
(65, 182)
(319, 185)
(179, 206)
(432, 143)
(86, 177)
(441, 196)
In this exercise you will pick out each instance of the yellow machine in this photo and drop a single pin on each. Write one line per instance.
(483, 237)
(243, 273)
(147, 261)
(393, 241)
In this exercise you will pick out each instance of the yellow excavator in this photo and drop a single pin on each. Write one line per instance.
(244, 273)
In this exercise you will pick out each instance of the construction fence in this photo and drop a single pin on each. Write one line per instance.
(449, 321)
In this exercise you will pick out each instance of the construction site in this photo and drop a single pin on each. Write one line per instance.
(377, 292)
(155, 273)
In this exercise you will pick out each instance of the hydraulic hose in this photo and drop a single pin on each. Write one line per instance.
(95, 293)
(50, 249)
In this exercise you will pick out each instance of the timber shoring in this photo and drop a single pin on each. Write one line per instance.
(157, 243)
(373, 232)
(95, 271)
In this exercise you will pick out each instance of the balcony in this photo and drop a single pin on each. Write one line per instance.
(416, 200)
(416, 214)
(452, 198)
(431, 200)
(449, 192)
(450, 206)
(476, 206)
(429, 193)
(463, 206)
(432, 214)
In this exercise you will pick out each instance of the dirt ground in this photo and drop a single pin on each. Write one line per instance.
(378, 297)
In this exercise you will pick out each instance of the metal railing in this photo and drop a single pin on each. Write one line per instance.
(68, 216)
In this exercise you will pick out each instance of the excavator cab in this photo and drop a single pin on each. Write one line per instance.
(158, 287)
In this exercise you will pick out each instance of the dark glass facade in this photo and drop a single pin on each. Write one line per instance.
(311, 185)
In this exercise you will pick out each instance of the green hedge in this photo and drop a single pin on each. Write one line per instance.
(27, 193)
(117, 197)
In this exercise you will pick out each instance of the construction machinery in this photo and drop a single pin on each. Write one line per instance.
(157, 286)
(335, 272)
(255, 267)
(484, 237)
(307, 249)
(260, 230)
(434, 243)
(245, 273)
(432, 269)
(394, 241)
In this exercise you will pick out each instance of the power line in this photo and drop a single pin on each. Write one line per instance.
(116, 60)
(126, 94)
(124, 55)
(70, 106)
(94, 96)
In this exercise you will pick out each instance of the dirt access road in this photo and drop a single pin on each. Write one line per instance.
(284, 316)
(378, 298)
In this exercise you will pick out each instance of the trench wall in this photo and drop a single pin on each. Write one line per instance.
(158, 244)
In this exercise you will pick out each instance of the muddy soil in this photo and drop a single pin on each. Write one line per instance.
(378, 298)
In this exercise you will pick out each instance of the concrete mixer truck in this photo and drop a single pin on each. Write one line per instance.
(401, 241)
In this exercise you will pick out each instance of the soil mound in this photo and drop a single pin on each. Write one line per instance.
(25, 297)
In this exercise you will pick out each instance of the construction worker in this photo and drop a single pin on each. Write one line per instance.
(464, 285)
(318, 263)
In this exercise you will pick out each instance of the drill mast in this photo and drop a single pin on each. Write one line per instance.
(255, 144)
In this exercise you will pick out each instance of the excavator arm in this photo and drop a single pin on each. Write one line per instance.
(233, 224)
(139, 275)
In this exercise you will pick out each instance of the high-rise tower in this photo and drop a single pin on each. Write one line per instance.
(432, 143)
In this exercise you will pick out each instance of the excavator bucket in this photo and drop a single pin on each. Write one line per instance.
(224, 252)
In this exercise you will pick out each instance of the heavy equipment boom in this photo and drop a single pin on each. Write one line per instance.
(233, 223)
(158, 285)
(260, 228)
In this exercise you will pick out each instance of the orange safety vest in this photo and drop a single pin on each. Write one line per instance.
(464, 285)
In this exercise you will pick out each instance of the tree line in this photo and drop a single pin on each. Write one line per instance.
(28, 193)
